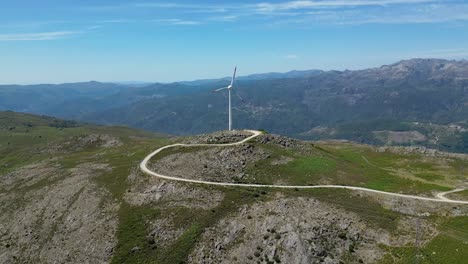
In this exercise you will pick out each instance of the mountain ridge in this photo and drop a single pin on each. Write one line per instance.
(416, 90)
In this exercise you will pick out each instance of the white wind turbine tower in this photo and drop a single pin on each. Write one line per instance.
(229, 88)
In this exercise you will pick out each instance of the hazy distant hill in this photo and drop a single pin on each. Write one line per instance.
(45, 98)
(312, 104)
(259, 76)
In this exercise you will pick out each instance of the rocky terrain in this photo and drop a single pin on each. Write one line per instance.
(285, 230)
(80, 198)
(220, 137)
(52, 215)
(221, 164)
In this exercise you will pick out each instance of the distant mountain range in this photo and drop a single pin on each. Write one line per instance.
(311, 104)
(259, 76)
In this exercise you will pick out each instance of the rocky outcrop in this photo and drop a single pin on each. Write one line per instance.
(290, 230)
(220, 137)
(219, 164)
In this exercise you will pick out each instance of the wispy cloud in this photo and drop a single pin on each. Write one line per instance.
(413, 14)
(196, 7)
(184, 7)
(37, 36)
(295, 5)
(228, 18)
(176, 21)
(303, 13)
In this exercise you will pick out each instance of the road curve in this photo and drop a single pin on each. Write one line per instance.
(441, 195)
(143, 166)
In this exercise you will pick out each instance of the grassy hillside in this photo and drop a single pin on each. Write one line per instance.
(357, 165)
(72, 192)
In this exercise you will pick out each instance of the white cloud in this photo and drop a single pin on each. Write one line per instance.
(36, 36)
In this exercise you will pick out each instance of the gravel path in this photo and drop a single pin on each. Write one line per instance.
(143, 166)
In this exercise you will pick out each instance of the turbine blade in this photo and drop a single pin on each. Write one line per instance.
(234, 75)
(238, 95)
(220, 89)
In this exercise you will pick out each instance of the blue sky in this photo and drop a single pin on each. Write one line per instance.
(55, 41)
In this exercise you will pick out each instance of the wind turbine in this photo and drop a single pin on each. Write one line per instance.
(229, 88)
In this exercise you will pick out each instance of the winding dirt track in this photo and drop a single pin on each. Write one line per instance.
(143, 166)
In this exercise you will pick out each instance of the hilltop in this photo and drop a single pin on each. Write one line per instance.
(72, 192)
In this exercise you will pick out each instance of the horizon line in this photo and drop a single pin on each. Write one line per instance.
(143, 82)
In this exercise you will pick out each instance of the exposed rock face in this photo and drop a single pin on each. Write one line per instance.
(293, 230)
(63, 221)
(220, 137)
(174, 194)
(434, 68)
(277, 140)
(29, 175)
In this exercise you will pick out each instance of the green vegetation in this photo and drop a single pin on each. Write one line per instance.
(450, 246)
(132, 233)
(312, 165)
(197, 221)
(302, 170)
(429, 176)
(134, 227)
(348, 164)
